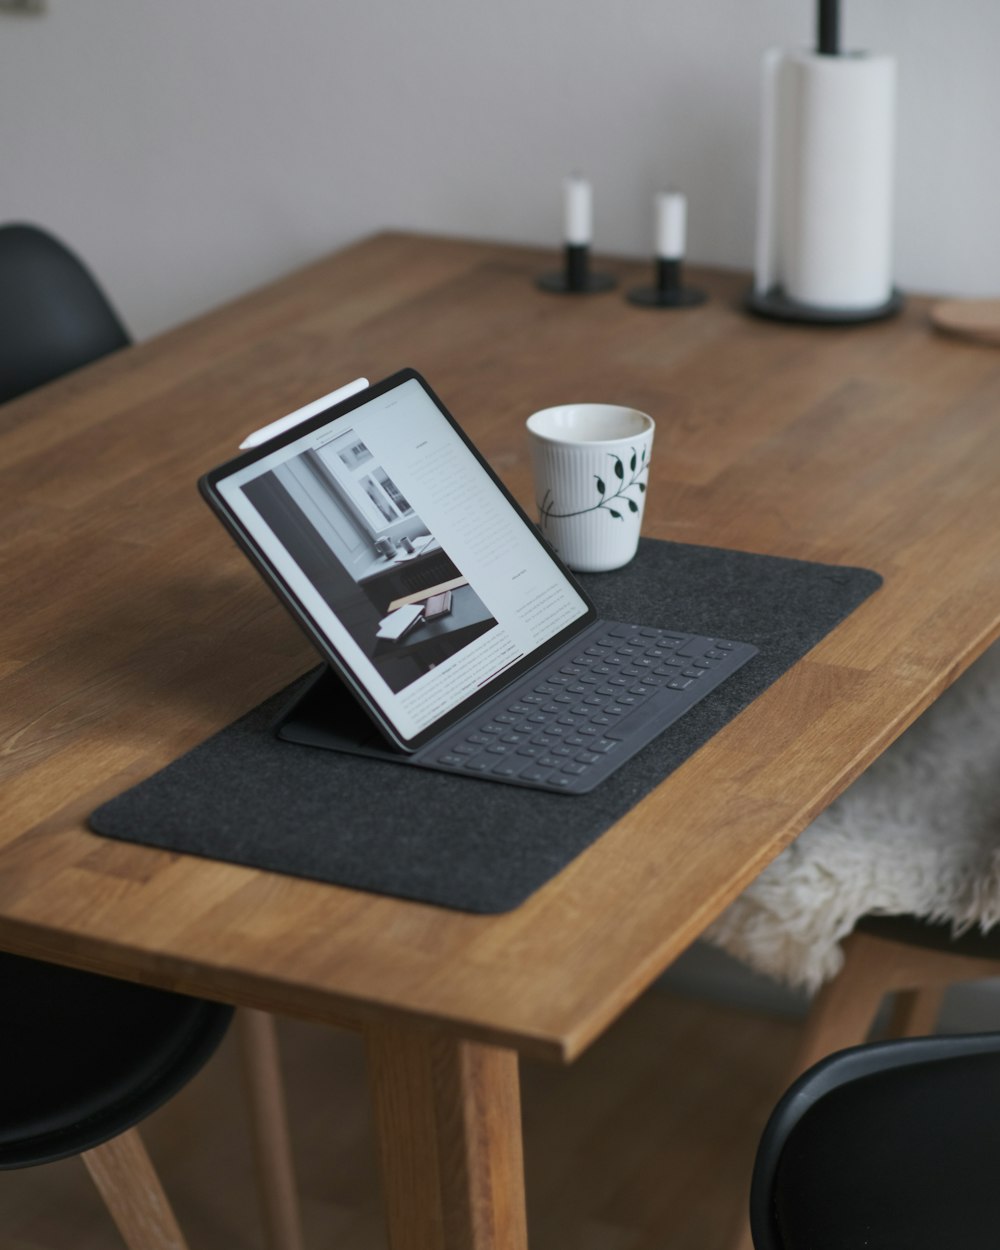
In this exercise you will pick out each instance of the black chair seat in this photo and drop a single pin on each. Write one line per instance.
(86, 1057)
(933, 935)
(53, 316)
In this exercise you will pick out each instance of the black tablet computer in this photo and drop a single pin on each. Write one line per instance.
(363, 514)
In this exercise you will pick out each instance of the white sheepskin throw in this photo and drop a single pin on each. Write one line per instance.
(918, 833)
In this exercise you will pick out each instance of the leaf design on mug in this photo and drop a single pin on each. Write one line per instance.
(637, 467)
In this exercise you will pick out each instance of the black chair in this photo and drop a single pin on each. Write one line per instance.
(85, 1057)
(53, 315)
(890, 1146)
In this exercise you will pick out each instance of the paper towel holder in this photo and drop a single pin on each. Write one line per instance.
(802, 301)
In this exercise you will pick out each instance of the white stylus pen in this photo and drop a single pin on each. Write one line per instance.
(282, 424)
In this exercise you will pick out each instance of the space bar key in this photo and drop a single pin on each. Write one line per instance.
(657, 711)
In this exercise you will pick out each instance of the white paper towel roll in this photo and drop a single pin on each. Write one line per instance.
(825, 210)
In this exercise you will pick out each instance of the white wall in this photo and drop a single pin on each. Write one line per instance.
(191, 149)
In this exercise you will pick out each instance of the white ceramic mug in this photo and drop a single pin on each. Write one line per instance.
(591, 464)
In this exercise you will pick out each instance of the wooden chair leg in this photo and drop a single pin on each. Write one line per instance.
(131, 1190)
(844, 1010)
(272, 1143)
(915, 1012)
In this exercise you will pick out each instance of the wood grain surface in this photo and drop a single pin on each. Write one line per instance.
(133, 628)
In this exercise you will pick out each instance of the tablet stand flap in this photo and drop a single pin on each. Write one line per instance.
(326, 714)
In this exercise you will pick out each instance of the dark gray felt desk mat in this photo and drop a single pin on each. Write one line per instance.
(246, 797)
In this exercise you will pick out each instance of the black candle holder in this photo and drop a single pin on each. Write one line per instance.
(576, 278)
(669, 291)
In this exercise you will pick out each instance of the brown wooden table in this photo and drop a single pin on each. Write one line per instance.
(132, 629)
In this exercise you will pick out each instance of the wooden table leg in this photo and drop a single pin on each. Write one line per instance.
(448, 1120)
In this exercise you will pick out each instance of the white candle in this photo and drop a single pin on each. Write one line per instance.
(579, 211)
(671, 225)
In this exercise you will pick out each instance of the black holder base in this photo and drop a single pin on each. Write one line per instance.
(557, 283)
(669, 291)
(576, 278)
(653, 297)
(779, 307)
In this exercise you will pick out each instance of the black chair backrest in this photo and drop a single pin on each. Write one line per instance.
(53, 315)
(890, 1146)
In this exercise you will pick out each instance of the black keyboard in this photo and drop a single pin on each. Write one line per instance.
(569, 728)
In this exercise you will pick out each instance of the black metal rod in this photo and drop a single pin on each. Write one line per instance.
(577, 265)
(668, 274)
(828, 28)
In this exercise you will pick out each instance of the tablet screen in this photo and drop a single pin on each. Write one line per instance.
(392, 541)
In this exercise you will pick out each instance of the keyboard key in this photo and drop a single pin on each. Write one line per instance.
(534, 773)
(693, 672)
(506, 768)
(481, 763)
(529, 749)
(456, 761)
(603, 745)
(479, 739)
(574, 769)
(679, 683)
